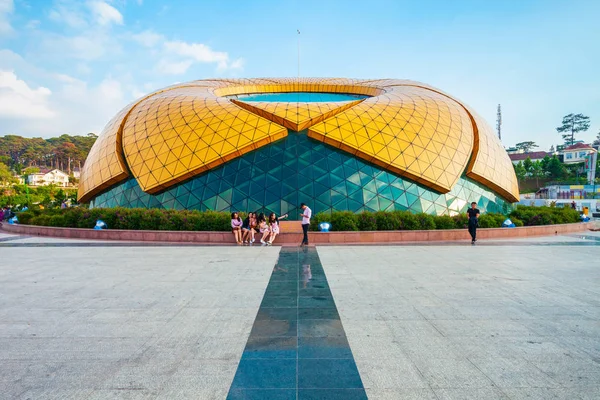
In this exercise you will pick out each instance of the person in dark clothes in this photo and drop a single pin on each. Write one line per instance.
(306, 214)
(473, 214)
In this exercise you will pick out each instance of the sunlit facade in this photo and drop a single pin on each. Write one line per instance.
(269, 144)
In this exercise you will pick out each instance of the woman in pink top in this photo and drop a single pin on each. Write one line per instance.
(274, 226)
(236, 227)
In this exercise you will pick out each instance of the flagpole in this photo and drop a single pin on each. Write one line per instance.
(298, 53)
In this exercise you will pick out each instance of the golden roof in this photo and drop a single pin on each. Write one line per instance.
(406, 127)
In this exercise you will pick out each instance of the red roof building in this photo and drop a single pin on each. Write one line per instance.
(533, 156)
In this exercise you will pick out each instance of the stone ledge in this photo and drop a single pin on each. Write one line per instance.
(295, 238)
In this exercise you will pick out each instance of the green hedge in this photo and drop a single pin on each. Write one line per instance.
(404, 220)
(530, 216)
(399, 220)
(130, 218)
(176, 220)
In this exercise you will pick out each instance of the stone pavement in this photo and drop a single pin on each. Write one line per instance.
(482, 322)
(126, 323)
(500, 320)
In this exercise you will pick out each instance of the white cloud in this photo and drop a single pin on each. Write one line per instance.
(88, 46)
(65, 105)
(176, 57)
(173, 68)
(83, 108)
(19, 101)
(68, 13)
(76, 108)
(66, 78)
(74, 13)
(238, 64)
(6, 8)
(198, 52)
(148, 38)
(110, 90)
(201, 53)
(105, 14)
(96, 72)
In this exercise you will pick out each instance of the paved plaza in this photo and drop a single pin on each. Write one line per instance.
(515, 319)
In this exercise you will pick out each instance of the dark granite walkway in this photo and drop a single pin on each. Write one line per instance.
(297, 348)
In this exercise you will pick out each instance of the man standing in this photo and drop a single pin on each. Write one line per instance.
(306, 214)
(473, 214)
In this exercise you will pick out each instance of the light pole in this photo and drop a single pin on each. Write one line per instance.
(298, 53)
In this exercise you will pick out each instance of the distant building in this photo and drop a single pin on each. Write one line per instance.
(515, 158)
(576, 153)
(514, 150)
(76, 173)
(53, 177)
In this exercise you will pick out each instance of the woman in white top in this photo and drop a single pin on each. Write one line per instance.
(274, 226)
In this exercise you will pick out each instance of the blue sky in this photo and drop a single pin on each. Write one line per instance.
(67, 66)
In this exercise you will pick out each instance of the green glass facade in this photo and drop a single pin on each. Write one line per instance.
(280, 176)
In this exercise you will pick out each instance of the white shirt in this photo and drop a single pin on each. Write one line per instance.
(307, 214)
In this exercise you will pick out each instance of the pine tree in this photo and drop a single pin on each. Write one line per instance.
(571, 125)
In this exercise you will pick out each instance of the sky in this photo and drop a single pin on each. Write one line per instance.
(67, 66)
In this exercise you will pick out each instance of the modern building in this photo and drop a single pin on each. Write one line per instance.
(576, 153)
(515, 158)
(53, 177)
(270, 144)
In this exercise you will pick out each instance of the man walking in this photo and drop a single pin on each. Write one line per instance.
(306, 214)
(473, 214)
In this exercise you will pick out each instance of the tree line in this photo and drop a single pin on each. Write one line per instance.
(572, 124)
(550, 167)
(64, 152)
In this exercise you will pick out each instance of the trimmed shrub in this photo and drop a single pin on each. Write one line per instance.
(191, 220)
(407, 220)
(517, 221)
(317, 219)
(344, 221)
(426, 221)
(340, 221)
(130, 218)
(366, 221)
(545, 215)
(488, 221)
(444, 222)
(387, 221)
(460, 221)
(26, 217)
(57, 220)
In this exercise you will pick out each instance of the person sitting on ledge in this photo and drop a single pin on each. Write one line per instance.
(236, 227)
(248, 228)
(263, 228)
(254, 225)
(274, 227)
